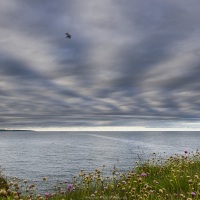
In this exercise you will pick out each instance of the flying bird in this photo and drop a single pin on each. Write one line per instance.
(68, 35)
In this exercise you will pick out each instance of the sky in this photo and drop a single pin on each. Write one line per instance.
(128, 63)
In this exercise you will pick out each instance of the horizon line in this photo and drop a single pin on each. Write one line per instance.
(105, 128)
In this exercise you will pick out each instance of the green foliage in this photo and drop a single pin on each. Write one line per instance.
(3, 182)
(174, 178)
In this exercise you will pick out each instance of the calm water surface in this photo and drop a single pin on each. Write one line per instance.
(60, 155)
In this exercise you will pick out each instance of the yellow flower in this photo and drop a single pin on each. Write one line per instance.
(196, 176)
(38, 195)
(25, 181)
(16, 197)
(160, 190)
(3, 192)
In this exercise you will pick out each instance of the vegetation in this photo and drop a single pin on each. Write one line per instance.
(176, 177)
(3, 182)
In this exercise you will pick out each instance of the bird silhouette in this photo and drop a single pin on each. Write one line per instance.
(68, 35)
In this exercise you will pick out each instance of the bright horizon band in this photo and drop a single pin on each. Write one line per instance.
(107, 128)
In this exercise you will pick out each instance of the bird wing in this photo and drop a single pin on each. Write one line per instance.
(68, 35)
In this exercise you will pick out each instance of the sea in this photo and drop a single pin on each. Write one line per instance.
(59, 156)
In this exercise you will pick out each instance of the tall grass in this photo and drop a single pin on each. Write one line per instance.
(3, 182)
(173, 178)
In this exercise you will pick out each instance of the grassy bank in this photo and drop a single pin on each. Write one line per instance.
(177, 177)
(3, 182)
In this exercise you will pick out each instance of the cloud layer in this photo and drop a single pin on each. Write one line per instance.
(125, 58)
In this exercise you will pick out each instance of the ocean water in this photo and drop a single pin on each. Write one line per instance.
(61, 155)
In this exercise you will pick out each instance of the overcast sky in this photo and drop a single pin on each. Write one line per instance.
(126, 58)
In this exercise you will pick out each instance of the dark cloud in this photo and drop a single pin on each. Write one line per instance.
(187, 82)
(134, 58)
(11, 67)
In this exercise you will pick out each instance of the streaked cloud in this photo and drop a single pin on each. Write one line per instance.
(125, 58)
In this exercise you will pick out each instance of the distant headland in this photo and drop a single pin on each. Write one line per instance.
(13, 130)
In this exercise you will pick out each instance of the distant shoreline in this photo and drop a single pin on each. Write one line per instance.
(2, 130)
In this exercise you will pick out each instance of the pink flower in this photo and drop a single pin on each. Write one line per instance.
(143, 175)
(19, 193)
(62, 192)
(70, 187)
(193, 194)
(124, 182)
(47, 194)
